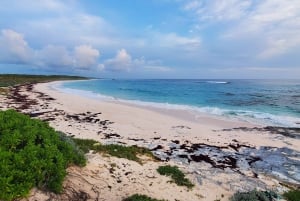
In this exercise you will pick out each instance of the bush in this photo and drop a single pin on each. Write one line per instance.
(292, 195)
(32, 154)
(138, 197)
(254, 196)
(176, 175)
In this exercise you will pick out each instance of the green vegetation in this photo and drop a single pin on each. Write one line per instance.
(86, 144)
(138, 197)
(177, 176)
(254, 196)
(120, 151)
(130, 153)
(14, 79)
(32, 154)
(292, 195)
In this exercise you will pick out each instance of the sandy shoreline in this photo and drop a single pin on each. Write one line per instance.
(146, 123)
(220, 157)
(183, 114)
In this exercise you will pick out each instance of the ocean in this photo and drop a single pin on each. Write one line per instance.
(268, 102)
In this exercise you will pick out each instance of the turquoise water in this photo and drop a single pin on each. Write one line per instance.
(271, 102)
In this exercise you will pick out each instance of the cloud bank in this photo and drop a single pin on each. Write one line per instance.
(15, 49)
(124, 62)
(272, 25)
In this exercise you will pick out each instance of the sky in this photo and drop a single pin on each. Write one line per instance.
(152, 38)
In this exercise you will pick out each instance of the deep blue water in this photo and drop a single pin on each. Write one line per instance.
(272, 102)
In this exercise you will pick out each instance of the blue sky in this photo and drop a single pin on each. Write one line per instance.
(151, 38)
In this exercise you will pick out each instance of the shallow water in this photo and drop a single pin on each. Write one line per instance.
(271, 102)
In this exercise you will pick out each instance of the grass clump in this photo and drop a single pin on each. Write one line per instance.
(32, 154)
(292, 195)
(120, 151)
(86, 144)
(130, 152)
(4, 90)
(177, 175)
(138, 197)
(254, 195)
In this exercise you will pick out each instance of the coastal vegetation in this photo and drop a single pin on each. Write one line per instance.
(138, 197)
(86, 144)
(120, 151)
(292, 195)
(33, 154)
(254, 195)
(177, 175)
(14, 79)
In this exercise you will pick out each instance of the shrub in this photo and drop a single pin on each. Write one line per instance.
(32, 154)
(292, 195)
(138, 197)
(254, 195)
(176, 175)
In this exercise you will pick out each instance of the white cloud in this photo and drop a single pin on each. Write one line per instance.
(68, 23)
(269, 16)
(34, 6)
(85, 56)
(222, 33)
(272, 26)
(123, 62)
(71, 29)
(63, 22)
(173, 40)
(276, 11)
(275, 47)
(279, 22)
(13, 47)
(192, 5)
(218, 9)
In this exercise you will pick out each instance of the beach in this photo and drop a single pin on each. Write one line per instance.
(220, 156)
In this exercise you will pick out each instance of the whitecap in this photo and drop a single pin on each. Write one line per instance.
(217, 82)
